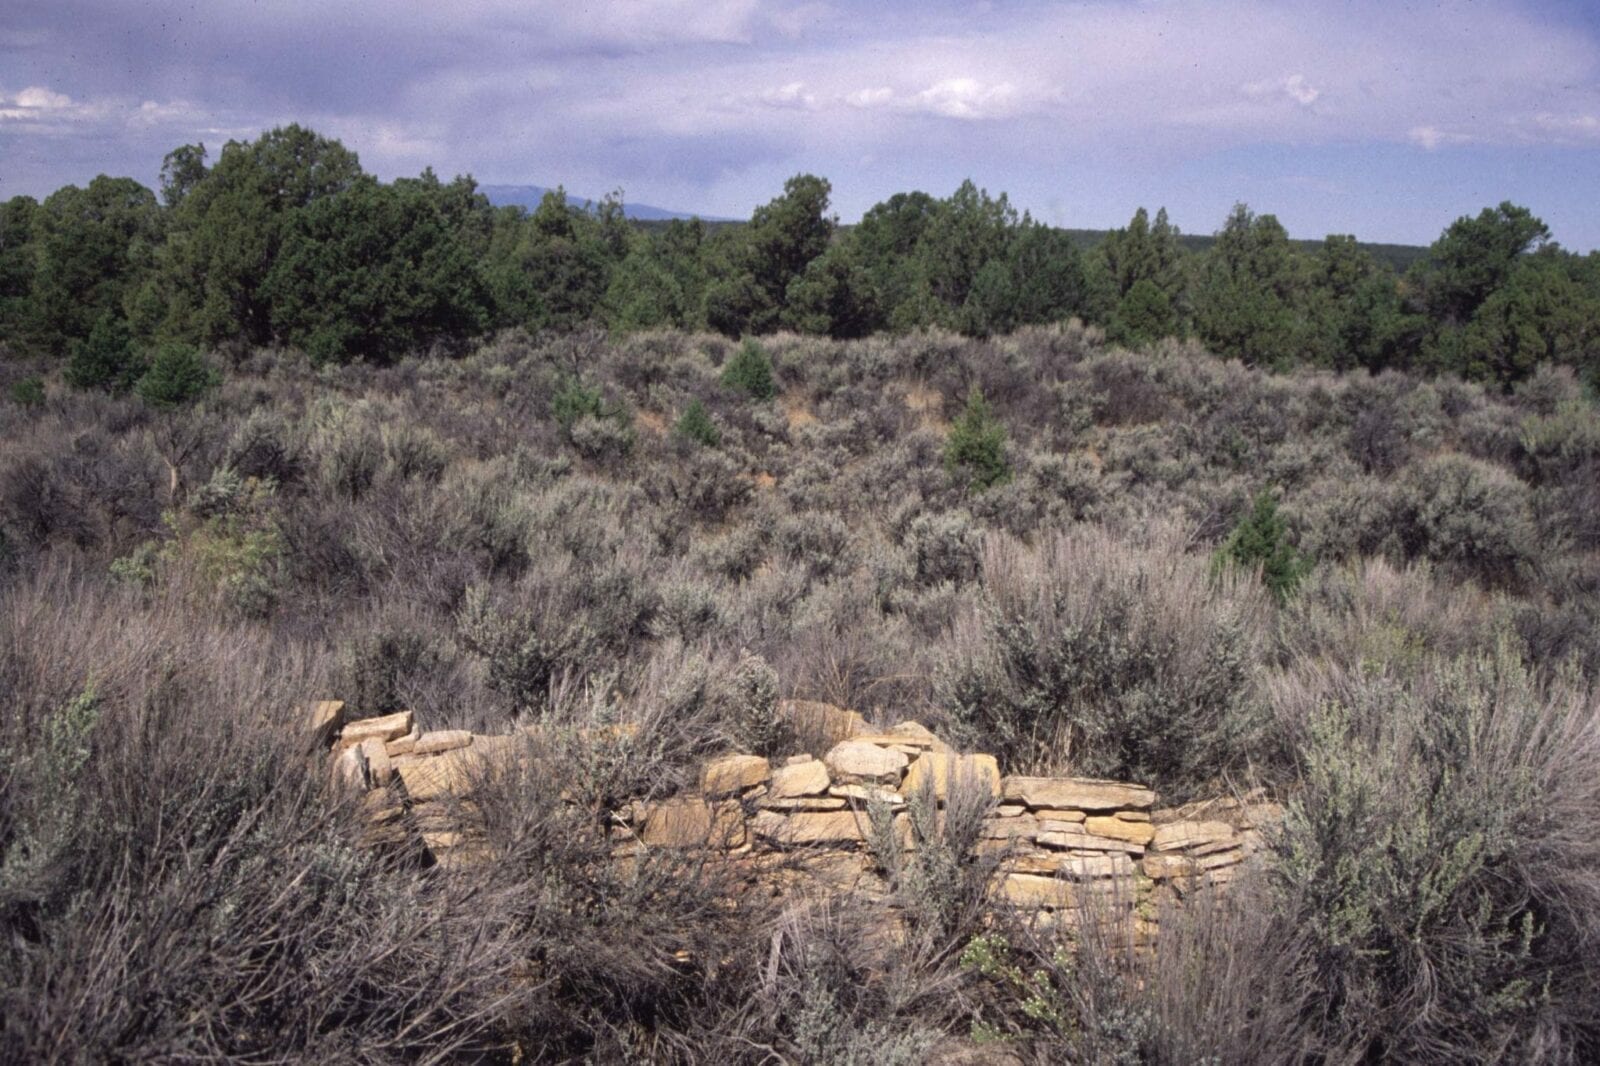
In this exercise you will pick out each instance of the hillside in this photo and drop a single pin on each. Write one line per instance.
(1373, 598)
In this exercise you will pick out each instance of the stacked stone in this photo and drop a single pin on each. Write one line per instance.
(1203, 844)
(1069, 843)
(417, 784)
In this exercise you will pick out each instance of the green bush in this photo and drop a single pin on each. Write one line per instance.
(106, 359)
(573, 400)
(177, 376)
(975, 451)
(750, 371)
(1260, 542)
(695, 424)
(28, 391)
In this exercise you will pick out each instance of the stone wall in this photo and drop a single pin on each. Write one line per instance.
(1059, 844)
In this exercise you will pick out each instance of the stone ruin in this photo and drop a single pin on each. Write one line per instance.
(1060, 845)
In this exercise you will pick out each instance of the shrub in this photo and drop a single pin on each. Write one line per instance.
(1260, 543)
(1469, 515)
(106, 359)
(975, 451)
(1430, 861)
(27, 392)
(1091, 655)
(177, 376)
(752, 707)
(695, 424)
(750, 371)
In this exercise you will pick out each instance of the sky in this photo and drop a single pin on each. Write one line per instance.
(1384, 119)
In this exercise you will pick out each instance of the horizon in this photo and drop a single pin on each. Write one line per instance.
(1384, 121)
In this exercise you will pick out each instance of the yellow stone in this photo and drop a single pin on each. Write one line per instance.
(940, 770)
(1139, 833)
(733, 773)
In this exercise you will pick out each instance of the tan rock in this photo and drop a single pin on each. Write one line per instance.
(389, 727)
(1052, 814)
(733, 773)
(1058, 825)
(1176, 835)
(1260, 816)
(441, 740)
(1034, 890)
(438, 841)
(811, 827)
(325, 719)
(795, 760)
(940, 770)
(1079, 793)
(379, 770)
(1086, 842)
(1133, 816)
(691, 822)
(805, 803)
(1095, 867)
(1134, 832)
(404, 746)
(808, 778)
(1010, 810)
(451, 772)
(350, 768)
(867, 794)
(857, 762)
(1160, 866)
(1009, 828)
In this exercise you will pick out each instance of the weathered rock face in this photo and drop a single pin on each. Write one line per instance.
(809, 778)
(1057, 845)
(858, 762)
(1076, 793)
(733, 773)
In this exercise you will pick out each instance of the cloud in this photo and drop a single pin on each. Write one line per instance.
(1432, 137)
(1294, 87)
(967, 98)
(793, 95)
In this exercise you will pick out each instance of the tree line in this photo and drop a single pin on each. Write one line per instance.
(287, 241)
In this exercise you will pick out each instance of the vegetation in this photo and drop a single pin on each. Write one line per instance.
(1208, 518)
(285, 241)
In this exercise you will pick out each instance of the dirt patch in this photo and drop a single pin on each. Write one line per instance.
(928, 405)
(797, 412)
(654, 421)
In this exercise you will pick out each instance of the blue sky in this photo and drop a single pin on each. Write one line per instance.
(1387, 120)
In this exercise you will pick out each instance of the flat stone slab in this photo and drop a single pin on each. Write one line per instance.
(1175, 836)
(1076, 793)
(811, 827)
(734, 773)
(809, 778)
(387, 728)
(441, 740)
(940, 770)
(691, 822)
(857, 762)
(1117, 828)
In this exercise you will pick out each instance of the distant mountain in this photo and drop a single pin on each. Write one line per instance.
(528, 196)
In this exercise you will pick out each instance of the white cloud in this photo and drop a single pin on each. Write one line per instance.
(967, 98)
(793, 95)
(1431, 137)
(877, 97)
(1295, 87)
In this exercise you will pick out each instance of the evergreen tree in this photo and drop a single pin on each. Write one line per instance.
(975, 451)
(1261, 540)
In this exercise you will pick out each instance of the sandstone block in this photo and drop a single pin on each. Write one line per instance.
(795, 760)
(1051, 814)
(868, 794)
(1096, 867)
(379, 770)
(733, 773)
(811, 827)
(1034, 890)
(1176, 835)
(404, 746)
(448, 773)
(389, 727)
(325, 719)
(940, 770)
(805, 803)
(1086, 842)
(441, 740)
(350, 768)
(809, 778)
(1009, 828)
(856, 762)
(1134, 832)
(1079, 793)
(1010, 810)
(691, 822)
